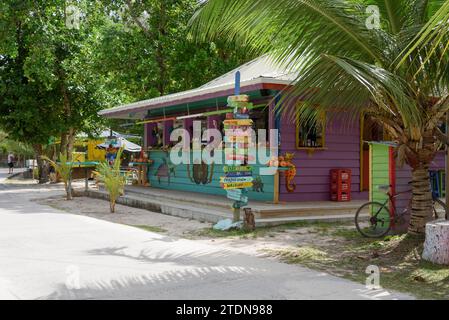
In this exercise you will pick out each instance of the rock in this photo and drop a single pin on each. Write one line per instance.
(436, 246)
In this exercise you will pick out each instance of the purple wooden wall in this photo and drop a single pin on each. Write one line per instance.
(342, 151)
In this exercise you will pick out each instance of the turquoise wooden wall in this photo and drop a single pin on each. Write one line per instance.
(179, 178)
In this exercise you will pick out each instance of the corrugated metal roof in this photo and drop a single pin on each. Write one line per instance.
(262, 67)
(258, 71)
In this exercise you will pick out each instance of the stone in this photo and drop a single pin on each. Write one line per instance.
(436, 245)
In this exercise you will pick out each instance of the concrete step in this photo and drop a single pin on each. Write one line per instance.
(214, 214)
(197, 199)
(268, 222)
(305, 212)
(173, 208)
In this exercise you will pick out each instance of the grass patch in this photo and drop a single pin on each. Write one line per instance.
(398, 258)
(316, 227)
(212, 233)
(150, 228)
(338, 249)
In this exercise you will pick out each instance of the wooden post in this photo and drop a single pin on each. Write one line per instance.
(236, 214)
(249, 223)
(276, 188)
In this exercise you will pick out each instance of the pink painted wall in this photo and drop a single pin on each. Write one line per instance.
(312, 180)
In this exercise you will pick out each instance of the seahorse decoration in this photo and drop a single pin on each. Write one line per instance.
(290, 174)
(201, 174)
(165, 170)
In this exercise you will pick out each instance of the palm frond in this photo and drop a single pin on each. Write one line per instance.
(393, 13)
(292, 30)
(347, 87)
(63, 167)
(114, 181)
(433, 35)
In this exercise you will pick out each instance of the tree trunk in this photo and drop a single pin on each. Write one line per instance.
(112, 206)
(42, 166)
(70, 143)
(68, 190)
(422, 203)
(63, 145)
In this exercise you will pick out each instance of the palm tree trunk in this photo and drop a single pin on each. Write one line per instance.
(422, 203)
(112, 206)
(68, 190)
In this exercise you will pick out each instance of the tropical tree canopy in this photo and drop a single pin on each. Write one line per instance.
(387, 59)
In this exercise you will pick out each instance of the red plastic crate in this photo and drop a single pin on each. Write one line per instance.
(340, 185)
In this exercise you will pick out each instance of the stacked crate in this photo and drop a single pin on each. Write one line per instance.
(341, 185)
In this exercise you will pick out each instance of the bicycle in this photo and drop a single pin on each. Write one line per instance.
(381, 218)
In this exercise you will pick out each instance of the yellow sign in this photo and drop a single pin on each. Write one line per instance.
(237, 185)
(242, 139)
(238, 122)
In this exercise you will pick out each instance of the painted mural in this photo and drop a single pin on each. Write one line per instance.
(183, 178)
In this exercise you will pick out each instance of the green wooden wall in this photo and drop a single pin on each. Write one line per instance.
(379, 175)
(380, 165)
(179, 178)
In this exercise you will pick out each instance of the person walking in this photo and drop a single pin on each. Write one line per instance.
(11, 163)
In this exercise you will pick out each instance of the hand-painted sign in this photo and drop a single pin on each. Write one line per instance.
(242, 139)
(239, 174)
(238, 195)
(239, 122)
(237, 169)
(238, 138)
(235, 179)
(239, 157)
(235, 193)
(237, 185)
(241, 116)
(233, 132)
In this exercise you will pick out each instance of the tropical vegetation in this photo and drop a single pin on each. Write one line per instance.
(112, 178)
(63, 169)
(387, 59)
(62, 61)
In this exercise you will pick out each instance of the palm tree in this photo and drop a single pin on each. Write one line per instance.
(392, 66)
(113, 179)
(64, 169)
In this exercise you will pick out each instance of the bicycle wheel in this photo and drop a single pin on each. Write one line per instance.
(439, 209)
(372, 220)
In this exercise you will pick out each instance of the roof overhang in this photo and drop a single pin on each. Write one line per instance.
(139, 110)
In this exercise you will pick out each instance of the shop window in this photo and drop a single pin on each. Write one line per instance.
(158, 135)
(261, 120)
(310, 135)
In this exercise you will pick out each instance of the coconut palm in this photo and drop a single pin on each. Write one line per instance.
(64, 169)
(387, 59)
(114, 181)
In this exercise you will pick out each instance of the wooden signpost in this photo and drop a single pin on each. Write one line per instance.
(238, 177)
